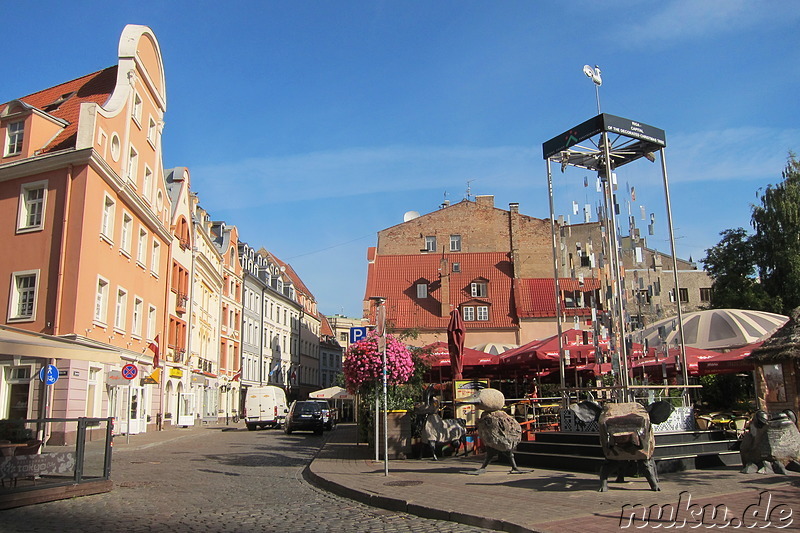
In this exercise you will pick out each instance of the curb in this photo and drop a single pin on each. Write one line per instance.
(405, 506)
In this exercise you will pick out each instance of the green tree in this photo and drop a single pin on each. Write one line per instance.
(776, 242)
(732, 266)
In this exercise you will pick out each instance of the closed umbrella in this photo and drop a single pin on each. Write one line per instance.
(455, 343)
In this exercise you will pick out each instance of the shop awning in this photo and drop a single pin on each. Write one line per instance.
(20, 343)
(332, 393)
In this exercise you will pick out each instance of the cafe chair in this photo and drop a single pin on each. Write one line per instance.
(739, 425)
(703, 422)
(31, 447)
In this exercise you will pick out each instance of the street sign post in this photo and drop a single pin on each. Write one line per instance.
(48, 374)
(357, 333)
(129, 371)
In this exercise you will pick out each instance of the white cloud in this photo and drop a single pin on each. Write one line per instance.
(691, 19)
(746, 153)
(357, 171)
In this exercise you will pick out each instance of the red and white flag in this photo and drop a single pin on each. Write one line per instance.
(154, 348)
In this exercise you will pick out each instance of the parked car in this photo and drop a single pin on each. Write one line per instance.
(264, 406)
(329, 414)
(304, 416)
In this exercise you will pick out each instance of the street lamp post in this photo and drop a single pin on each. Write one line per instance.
(380, 327)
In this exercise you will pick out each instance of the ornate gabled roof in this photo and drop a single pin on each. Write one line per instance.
(64, 101)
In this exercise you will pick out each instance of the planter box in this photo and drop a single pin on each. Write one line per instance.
(399, 434)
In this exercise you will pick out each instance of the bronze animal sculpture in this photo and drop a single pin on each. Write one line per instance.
(499, 431)
(771, 443)
(626, 436)
(435, 429)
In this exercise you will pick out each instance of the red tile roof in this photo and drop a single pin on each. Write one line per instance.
(96, 87)
(535, 297)
(395, 277)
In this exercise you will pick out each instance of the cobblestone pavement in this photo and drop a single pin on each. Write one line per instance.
(215, 479)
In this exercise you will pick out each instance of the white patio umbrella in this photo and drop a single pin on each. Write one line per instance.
(715, 329)
(332, 393)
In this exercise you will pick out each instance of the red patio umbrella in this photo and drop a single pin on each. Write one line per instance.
(440, 356)
(694, 356)
(456, 331)
(731, 362)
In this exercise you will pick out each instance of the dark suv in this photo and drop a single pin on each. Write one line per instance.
(304, 416)
(328, 414)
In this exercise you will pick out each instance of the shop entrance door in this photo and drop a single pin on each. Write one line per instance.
(186, 409)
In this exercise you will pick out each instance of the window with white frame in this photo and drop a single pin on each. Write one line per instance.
(22, 305)
(151, 322)
(15, 133)
(120, 308)
(468, 313)
(138, 310)
(141, 247)
(107, 228)
(93, 403)
(127, 233)
(101, 301)
(136, 111)
(479, 289)
(156, 257)
(31, 206)
(483, 312)
(151, 131)
(147, 183)
(455, 243)
(422, 290)
(430, 243)
(133, 164)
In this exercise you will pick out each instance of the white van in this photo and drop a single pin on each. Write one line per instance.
(264, 406)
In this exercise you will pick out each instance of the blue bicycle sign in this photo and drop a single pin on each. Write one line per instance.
(48, 374)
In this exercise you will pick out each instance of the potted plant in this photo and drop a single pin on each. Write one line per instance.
(363, 370)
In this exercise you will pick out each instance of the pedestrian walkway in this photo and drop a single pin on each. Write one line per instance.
(553, 501)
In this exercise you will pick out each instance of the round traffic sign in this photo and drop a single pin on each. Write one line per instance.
(129, 371)
(48, 374)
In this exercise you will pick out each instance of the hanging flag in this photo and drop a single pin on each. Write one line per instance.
(275, 368)
(237, 376)
(153, 346)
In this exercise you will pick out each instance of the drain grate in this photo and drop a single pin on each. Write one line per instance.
(402, 483)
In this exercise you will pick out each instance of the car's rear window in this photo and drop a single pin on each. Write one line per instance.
(308, 408)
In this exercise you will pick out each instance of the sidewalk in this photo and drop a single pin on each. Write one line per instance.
(553, 501)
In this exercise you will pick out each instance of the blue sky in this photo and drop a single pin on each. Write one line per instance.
(313, 125)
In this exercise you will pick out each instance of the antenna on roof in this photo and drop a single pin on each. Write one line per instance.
(469, 189)
(446, 201)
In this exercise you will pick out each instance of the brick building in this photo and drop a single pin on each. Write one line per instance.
(496, 266)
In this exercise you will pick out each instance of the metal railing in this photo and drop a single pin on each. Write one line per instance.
(77, 450)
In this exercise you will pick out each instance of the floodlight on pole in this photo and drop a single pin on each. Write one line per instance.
(594, 75)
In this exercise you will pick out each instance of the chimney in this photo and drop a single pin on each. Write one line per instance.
(486, 200)
(513, 207)
(444, 289)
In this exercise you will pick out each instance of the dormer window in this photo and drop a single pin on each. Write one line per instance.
(15, 132)
(422, 290)
(479, 289)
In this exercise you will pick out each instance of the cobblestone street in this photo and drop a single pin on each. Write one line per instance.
(214, 479)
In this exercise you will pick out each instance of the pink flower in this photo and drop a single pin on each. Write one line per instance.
(364, 362)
